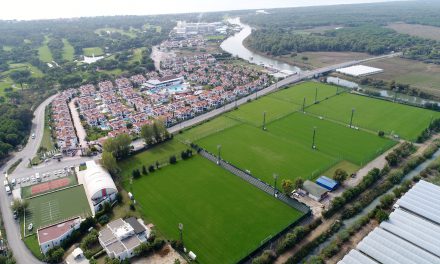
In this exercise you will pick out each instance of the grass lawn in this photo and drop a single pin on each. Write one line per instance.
(32, 243)
(44, 52)
(128, 33)
(53, 207)
(224, 218)
(46, 141)
(68, 50)
(7, 48)
(21, 66)
(285, 147)
(89, 52)
(161, 153)
(322, 59)
(209, 127)
(374, 114)
(345, 165)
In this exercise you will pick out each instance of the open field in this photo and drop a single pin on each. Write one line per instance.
(424, 31)
(68, 50)
(345, 165)
(46, 141)
(322, 59)
(160, 153)
(376, 115)
(54, 207)
(224, 218)
(209, 127)
(97, 51)
(417, 74)
(44, 52)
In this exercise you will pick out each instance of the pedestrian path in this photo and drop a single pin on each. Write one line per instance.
(256, 182)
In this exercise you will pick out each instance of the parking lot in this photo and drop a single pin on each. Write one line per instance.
(42, 177)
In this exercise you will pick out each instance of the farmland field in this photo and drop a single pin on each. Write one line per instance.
(224, 218)
(374, 114)
(423, 76)
(423, 31)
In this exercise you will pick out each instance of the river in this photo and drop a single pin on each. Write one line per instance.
(234, 45)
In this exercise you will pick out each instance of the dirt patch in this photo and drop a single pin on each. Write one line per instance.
(423, 31)
(352, 243)
(161, 258)
(47, 186)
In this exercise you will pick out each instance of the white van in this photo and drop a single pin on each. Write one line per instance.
(8, 190)
(13, 182)
(37, 177)
(33, 135)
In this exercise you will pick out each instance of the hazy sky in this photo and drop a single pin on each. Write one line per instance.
(38, 9)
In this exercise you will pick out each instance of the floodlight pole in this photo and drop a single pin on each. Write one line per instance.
(351, 119)
(313, 138)
(316, 94)
(304, 105)
(181, 232)
(219, 148)
(275, 177)
(395, 95)
(264, 120)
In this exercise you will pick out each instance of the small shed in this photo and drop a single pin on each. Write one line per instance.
(314, 191)
(327, 183)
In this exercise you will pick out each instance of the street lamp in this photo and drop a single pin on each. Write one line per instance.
(264, 120)
(351, 119)
(181, 232)
(313, 138)
(219, 148)
(275, 177)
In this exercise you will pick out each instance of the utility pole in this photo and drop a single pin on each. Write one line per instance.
(351, 119)
(219, 148)
(264, 120)
(304, 105)
(275, 177)
(313, 138)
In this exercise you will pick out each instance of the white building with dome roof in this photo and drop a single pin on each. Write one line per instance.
(98, 184)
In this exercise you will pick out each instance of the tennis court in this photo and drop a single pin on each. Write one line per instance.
(44, 187)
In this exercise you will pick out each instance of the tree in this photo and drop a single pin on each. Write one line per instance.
(147, 134)
(21, 76)
(118, 146)
(173, 159)
(287, 186)
(340, 175)
(299, 183)
(144, 170)
(19, 205)
(108, 161)
(386, 201)
(381, 215)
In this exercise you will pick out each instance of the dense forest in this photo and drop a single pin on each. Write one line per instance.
(360, 28)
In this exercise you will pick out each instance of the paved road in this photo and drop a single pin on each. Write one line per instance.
(21, 253)
(256, 182)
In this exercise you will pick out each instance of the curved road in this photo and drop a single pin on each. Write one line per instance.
(21, 252)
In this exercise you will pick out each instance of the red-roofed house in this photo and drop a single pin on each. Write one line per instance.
(52, 236)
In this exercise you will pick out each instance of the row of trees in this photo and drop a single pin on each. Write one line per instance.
(115, 149)
(154, 133)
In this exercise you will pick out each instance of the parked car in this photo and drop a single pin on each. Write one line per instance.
(15, 214)
(30, 226)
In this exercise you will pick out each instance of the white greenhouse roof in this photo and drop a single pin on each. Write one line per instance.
(359, 70)
(410, 236)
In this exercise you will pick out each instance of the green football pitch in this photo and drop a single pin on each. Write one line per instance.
(54, 207)
(224, 217)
